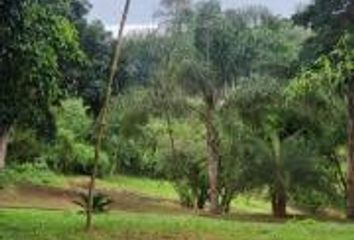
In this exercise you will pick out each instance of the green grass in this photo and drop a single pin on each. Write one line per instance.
(251, 204)
(67, 225)
(146, 186)
(165, 190)
(40, 225)
(159, 189)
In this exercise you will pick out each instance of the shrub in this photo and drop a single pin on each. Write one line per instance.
(72, 152)
(28, 173)
(185, 194)
(72, 116)
(24, 146)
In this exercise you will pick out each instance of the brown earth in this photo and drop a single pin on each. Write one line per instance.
(54, 198)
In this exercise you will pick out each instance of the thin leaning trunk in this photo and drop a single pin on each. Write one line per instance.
(4, 139)
(213, 160)
(103, 115)
(171, 137)
(350, 159)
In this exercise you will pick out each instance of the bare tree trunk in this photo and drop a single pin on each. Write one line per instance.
(4, 138)
(213, 159)
(103, 115)
(350, 160)
(279, 197)
(279, 203)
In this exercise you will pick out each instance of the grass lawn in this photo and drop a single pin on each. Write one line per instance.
(42, 225)
(157, 189)
(165, 190)
(150, 187)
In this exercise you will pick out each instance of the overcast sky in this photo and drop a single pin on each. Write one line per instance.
(142, 11)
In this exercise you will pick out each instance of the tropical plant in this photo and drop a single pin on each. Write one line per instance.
(100, 202)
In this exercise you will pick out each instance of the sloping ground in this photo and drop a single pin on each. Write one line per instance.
(28, 196)
(55, 198)
(143, 210)
(128, 194)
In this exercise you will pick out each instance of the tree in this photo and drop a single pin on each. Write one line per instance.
(331, 78)
(86, 78)
(329, 19)
(90, 75)
(267, 52)
(199, 77)
(280, 151)
(333, 23)
(127, 141)
(175, 12)
(215, 51)
(71, 150)
(101, 120)
(36, 36)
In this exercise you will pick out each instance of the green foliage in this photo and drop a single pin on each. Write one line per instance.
(37, 36)
(186, 196)
(328, 76)
(73, 116)
(221, 58)
(24, 147)
(239, 79)
(330, 19)
(72, 152)
(185, 166)
(100, 202)
(90, 75)
(28, 173)
(126, 141)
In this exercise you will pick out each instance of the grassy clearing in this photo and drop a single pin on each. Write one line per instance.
(40, 225)
(165, 190)
(152, 188)
(146, 186)
(250, 204)
(147, 218)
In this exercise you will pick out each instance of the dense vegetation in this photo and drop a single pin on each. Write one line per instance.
(221, 103)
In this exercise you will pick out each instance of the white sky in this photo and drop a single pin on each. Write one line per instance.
(142, 11)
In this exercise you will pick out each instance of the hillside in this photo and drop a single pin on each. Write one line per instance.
(142, 209)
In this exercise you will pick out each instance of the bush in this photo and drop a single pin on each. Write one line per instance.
(185, 194)
(28, 173)
(72, 152)
(186, 167)
(72, 116)
(74, 157)
(24, 146)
